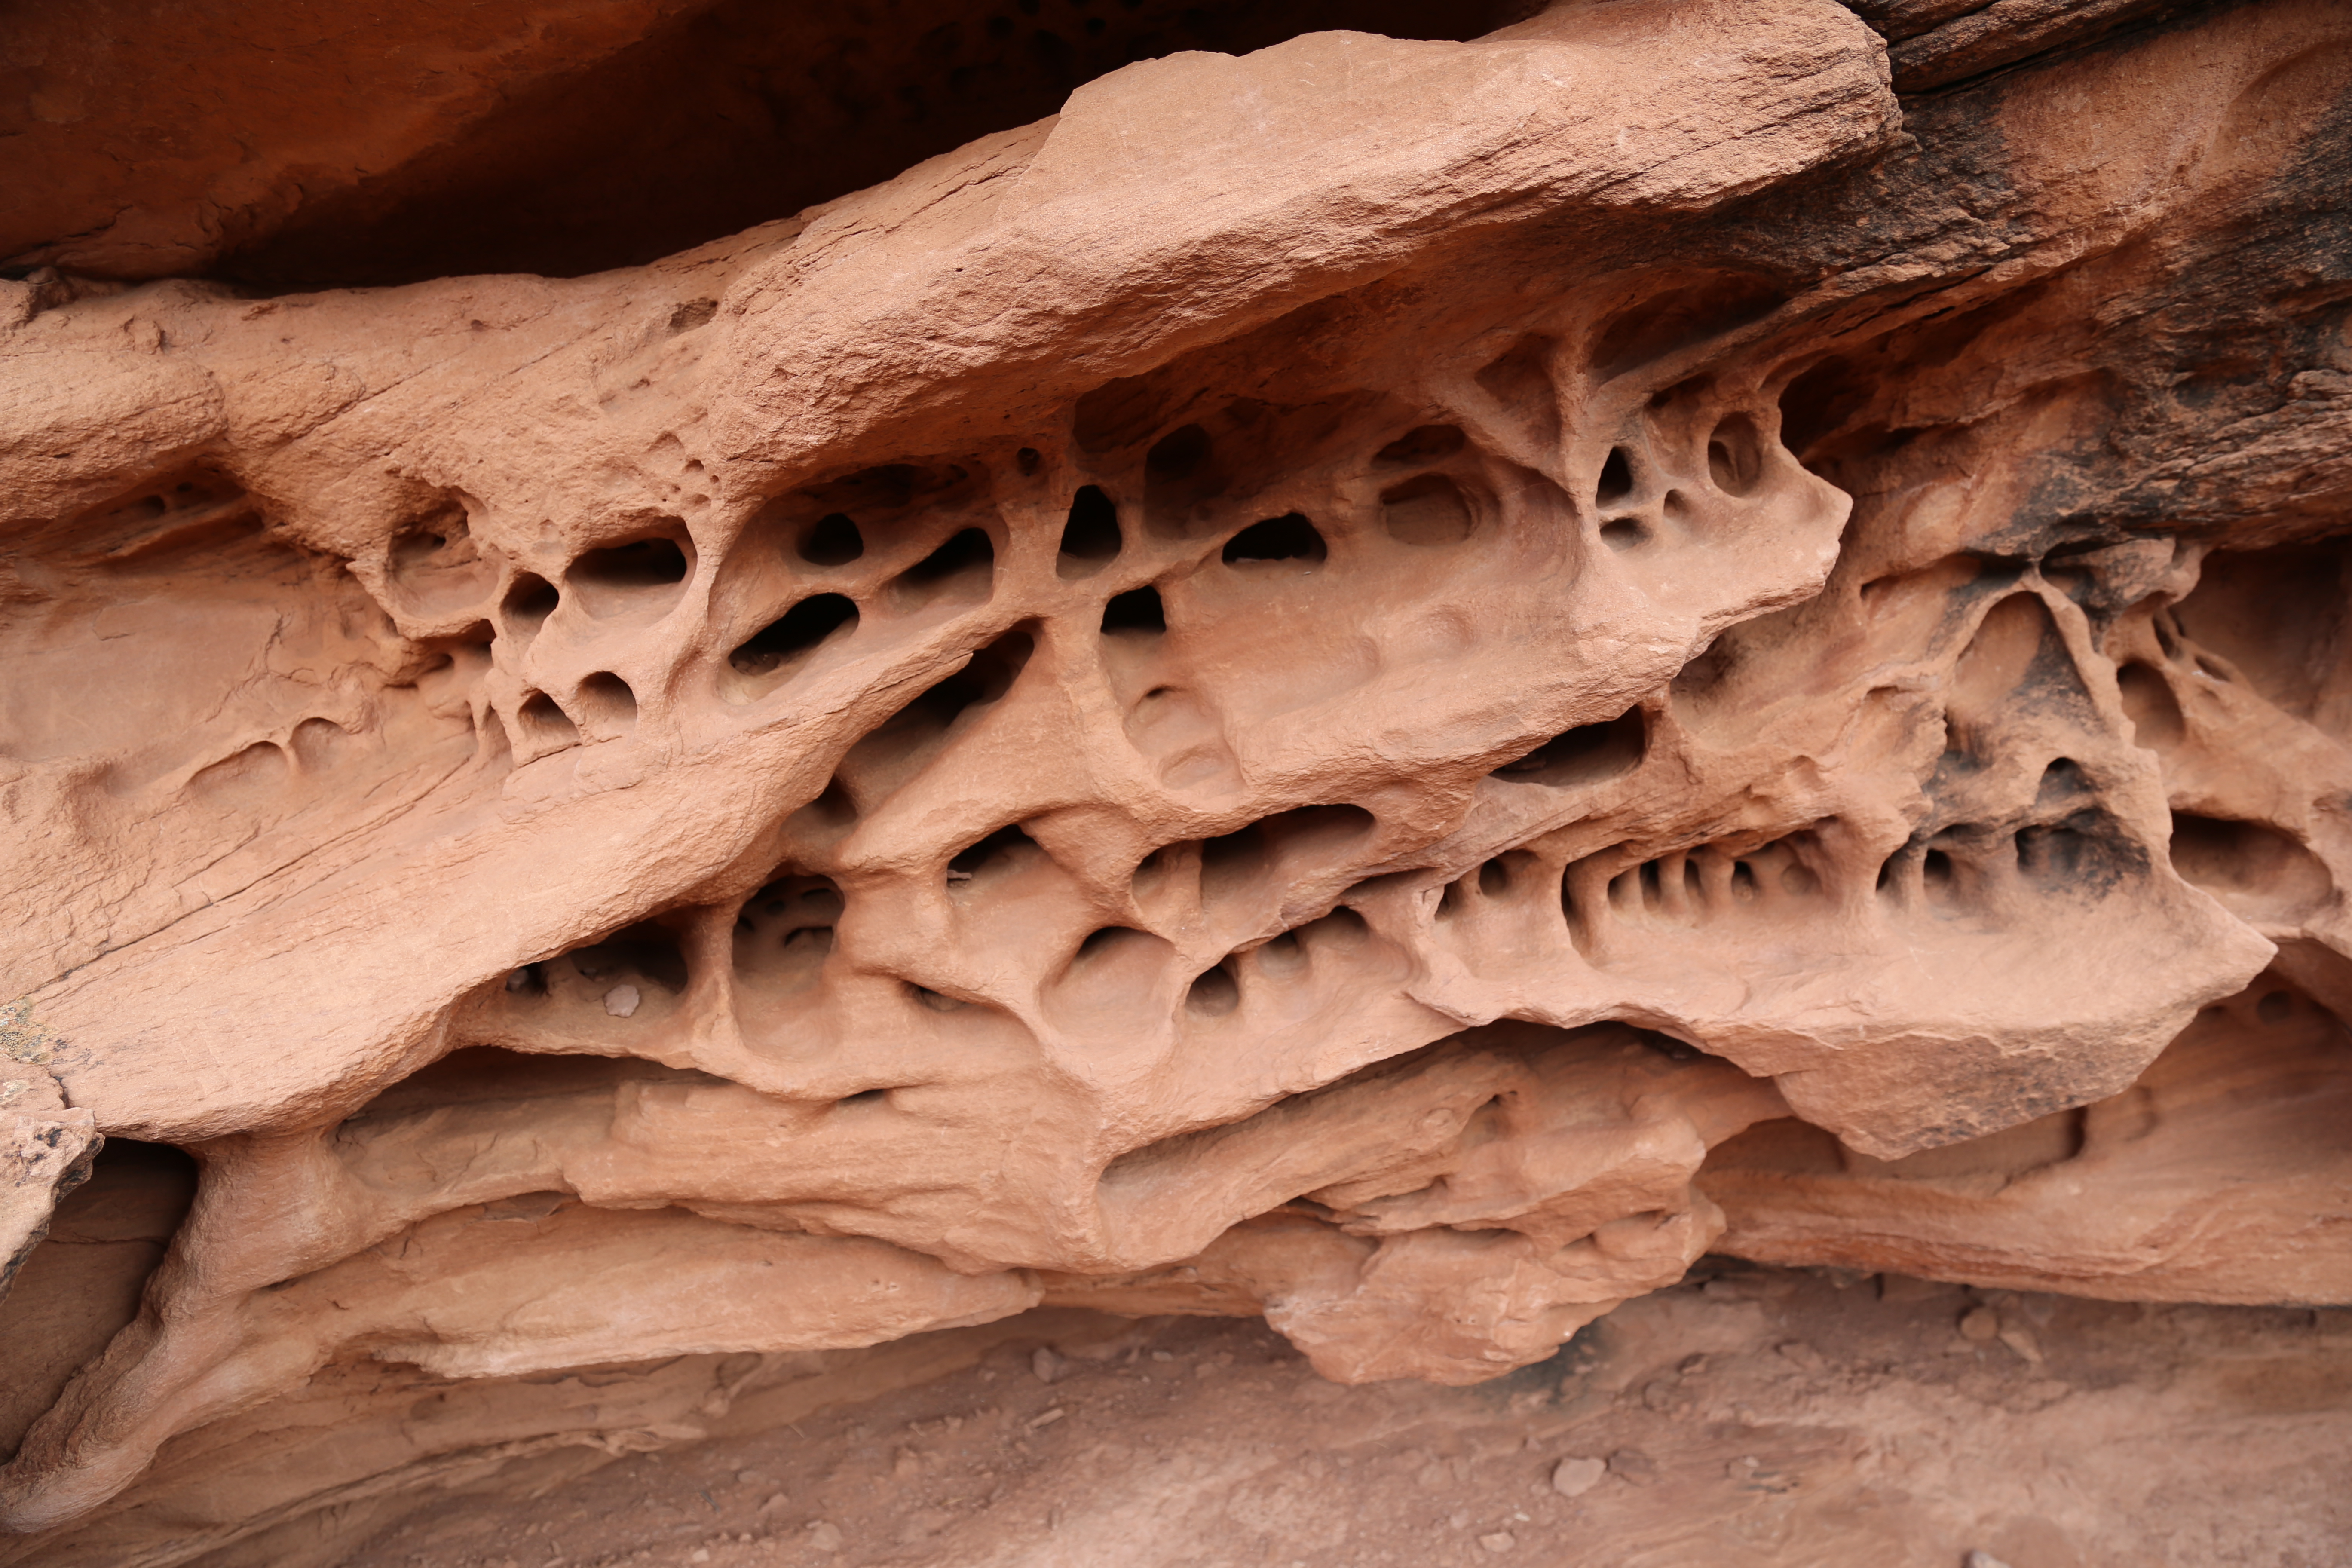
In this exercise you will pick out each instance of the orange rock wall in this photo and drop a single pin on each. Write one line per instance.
(1392, 682)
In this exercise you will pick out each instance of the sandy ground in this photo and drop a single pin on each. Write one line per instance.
(1748, 1418)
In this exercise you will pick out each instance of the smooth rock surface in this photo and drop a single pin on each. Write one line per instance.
(1393, 684)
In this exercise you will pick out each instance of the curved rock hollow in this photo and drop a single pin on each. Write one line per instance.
(1393, 684)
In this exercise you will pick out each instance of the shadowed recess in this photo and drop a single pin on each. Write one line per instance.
(1589, 753)
(793, 633)
(832, 539)
(1137, 610)
(593, 137)
(1091, 535)
(1286, 538)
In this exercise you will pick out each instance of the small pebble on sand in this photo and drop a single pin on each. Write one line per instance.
(1576, 1476)
(621, 1001)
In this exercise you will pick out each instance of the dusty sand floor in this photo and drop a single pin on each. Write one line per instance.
(1748, 1418)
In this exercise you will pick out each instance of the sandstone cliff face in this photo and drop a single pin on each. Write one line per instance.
(1393, 683)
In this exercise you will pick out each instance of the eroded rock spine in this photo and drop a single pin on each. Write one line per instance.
(1555, 653)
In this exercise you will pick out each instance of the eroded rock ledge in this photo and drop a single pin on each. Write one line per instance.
(1393, 684)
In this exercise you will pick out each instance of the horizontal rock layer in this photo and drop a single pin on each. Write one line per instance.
(1393, 683)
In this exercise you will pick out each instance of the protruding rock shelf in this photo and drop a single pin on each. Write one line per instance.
(1389, 683)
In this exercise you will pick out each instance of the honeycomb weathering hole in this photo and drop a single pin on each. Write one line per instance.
(2241, 861)
(1006, 844)
(253, 772)
(1179, 453)
(2079, 854)
(607, 699)
(80, 1285)
(1424, 444)
(412, 550)
(1615, 484)
(1588, 754)
(545, 718)
(933, 1001)
(983, 747)
(1735, 455)
(1101, 943)
(832, 539)
(1137, 610)
(967, 553)
(1213, 993)
(1091, 534)
(621, 576)
(652, 949)
(436, 570)
(1287, 844)
(1520, 381)
(2155, 712)
(985, 678)
(795, 632)
(530, 600)
(1276, 539)
(784, 932)
(897, 751)
(1429, 510)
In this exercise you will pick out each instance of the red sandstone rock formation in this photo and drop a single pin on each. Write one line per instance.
(1393, 683)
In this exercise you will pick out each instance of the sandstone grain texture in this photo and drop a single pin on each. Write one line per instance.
(1389, 683)
(1817, 1427)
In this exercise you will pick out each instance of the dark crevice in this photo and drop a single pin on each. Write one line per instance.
(1005, 843)
(985, 679)
(969, 551)
(1092, 533)
(785, 930)
(1099, 942)
(1137, 610)
(616, 152)
(1424, 444)
(640, 564)
(530, 600)
(1286, 538)
(832, 539)
(606, 697)
(646, 950)
(1306, 836)
(75, 1290)
(1616, 482)
(1426, 510)
(902, 744)
(1215, 993)
(1589, 753)
(793, 633)
(544, 717)
(1176, 455)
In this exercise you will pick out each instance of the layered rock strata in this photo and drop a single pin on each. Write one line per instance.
(1397, 684)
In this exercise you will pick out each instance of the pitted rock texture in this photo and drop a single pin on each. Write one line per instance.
(1393, 684)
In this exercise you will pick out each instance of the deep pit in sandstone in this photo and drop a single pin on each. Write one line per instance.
(1420, 752)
